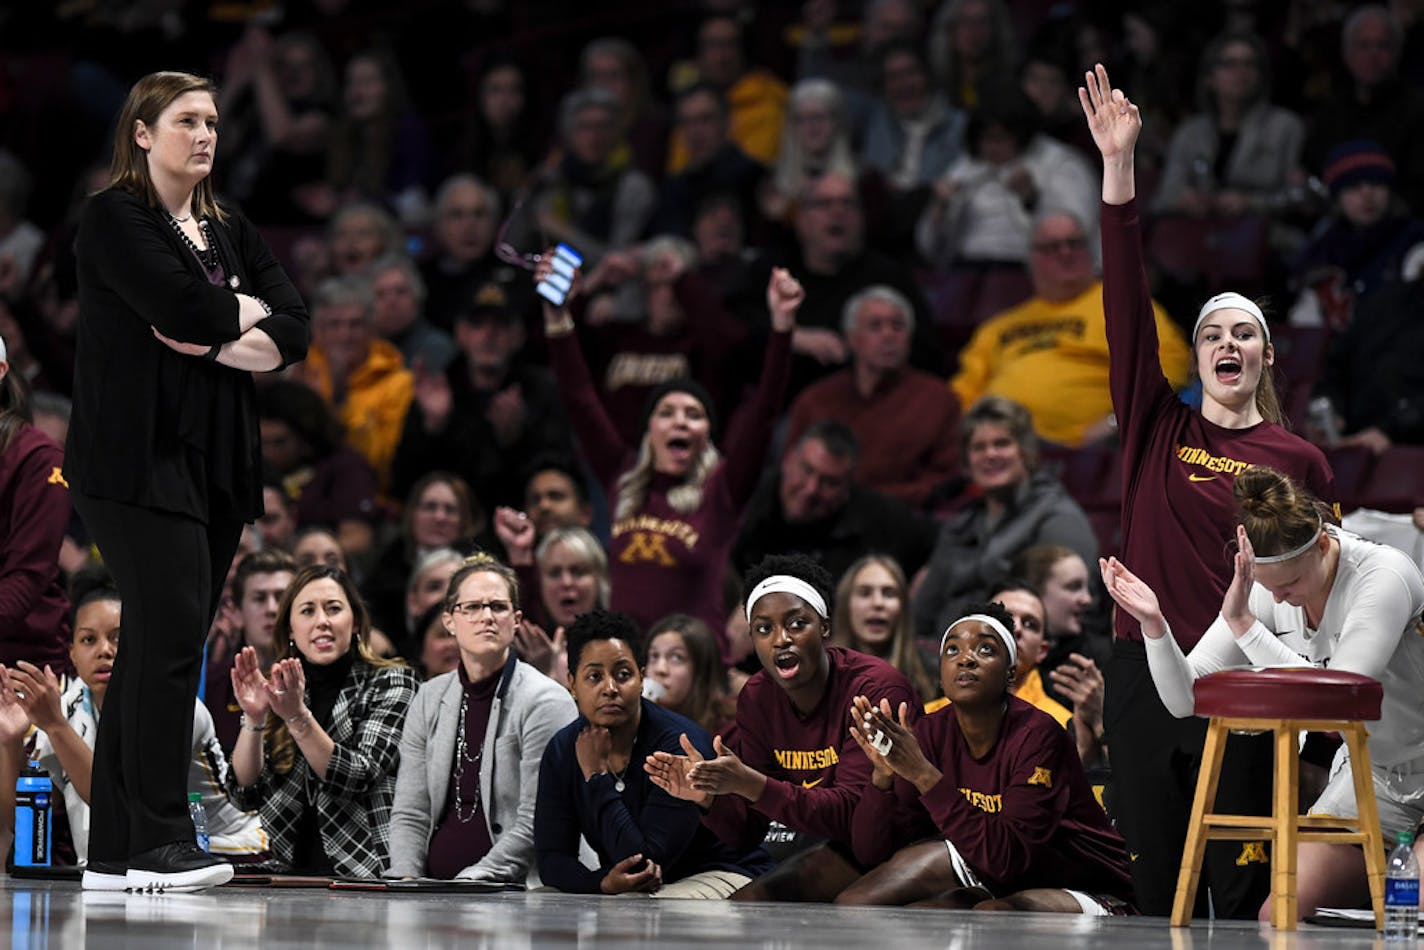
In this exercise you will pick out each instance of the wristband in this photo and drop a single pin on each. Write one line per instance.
(243, 723)
(564, 324)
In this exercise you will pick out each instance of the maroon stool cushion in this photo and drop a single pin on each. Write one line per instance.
(1288, 693)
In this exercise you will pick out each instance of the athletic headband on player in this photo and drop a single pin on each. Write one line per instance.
(786, 584)
(1231, 301)
(1293, 554)
(994, 625)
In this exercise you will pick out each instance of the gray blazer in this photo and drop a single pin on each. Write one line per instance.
(528, 708)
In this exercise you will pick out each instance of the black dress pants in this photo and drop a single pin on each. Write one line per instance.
(169, 569)
(1155, 759)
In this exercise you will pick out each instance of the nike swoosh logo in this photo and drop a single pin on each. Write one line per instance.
(1132, 855)
(1201, 478)
(806, 784)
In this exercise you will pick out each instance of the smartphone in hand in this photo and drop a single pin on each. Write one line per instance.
(555, 287)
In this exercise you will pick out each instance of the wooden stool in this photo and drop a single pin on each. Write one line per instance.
(1286, 702)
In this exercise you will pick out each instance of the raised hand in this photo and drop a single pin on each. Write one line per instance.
(249, 686)
(623, 879)
(905, 756)
(286, 688)
(432, 394)
(784, 295)
(1236, 605)
(545, 267)
(883, 776)
(1081, 682)
(1112, 118)
(516, 533)
(1133, 595)
(548, 656)
(38, 693)
(670, 773)
(14, 721)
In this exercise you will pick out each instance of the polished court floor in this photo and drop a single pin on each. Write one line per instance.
(45, 915)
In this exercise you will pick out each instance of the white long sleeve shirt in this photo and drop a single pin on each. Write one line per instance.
(1371, 625)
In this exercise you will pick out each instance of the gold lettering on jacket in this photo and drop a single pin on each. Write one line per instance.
(983, 800)
(1212, 463)
(806, 760)
(645, 369)
(648, 525)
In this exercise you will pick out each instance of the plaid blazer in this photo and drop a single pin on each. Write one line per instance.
(353, 804)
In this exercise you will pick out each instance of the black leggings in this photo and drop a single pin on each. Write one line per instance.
(1155, 757)
(169, 569)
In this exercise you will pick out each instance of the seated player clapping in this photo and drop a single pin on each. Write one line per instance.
(985, 797)
(793, 759)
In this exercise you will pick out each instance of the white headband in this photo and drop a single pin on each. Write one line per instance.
(1293, 554)
(786, 584)
(1231, 301)
(3, 357)
(993, 624)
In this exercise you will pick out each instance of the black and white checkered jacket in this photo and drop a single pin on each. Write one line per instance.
(353, 804)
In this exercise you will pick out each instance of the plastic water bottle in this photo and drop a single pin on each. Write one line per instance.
(1401, 892)
(34, 794)
(200, 820)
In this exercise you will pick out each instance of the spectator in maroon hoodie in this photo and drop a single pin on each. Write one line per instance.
(676, 500)
(33, 518)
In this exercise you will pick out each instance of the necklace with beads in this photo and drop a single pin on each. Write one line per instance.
(466, 813)
(207, 257)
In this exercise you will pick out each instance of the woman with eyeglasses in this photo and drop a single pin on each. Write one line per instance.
(470, 752)
(316, 755)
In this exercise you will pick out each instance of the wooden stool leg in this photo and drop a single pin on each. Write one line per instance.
(1195, 849)
(1283, 812)
(1368, 810)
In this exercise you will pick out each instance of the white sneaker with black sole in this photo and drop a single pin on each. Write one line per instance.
(181, 867)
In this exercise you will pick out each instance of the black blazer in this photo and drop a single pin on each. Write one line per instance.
(151, 426)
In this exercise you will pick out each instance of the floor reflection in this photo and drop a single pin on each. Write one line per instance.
(44, 915)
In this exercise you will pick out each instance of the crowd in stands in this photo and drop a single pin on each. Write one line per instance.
(585, 597)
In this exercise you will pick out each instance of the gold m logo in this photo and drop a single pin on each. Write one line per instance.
(647, 547)
(1252, 852)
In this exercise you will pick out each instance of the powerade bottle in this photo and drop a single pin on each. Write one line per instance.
(34, 808)
(1401, 892)
(200, 818)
